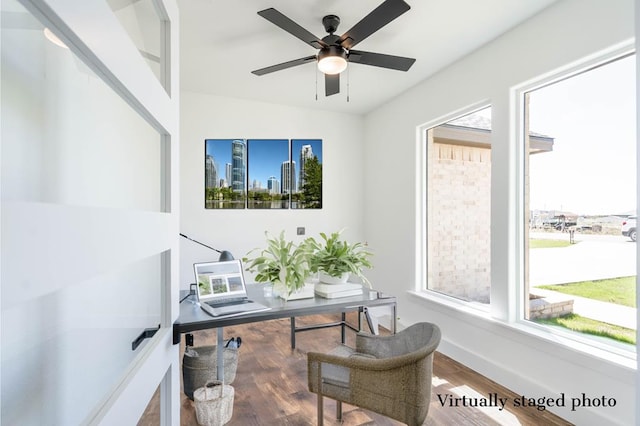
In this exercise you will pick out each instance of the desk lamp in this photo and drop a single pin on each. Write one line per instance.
(224, 254)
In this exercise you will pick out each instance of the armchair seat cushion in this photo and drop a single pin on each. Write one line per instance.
(337, 375)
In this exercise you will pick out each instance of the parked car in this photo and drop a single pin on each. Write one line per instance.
(629, 228)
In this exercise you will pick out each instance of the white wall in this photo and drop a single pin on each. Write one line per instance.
(212, 117)
(567, 32)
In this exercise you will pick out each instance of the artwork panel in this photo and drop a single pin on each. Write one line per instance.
(225, 173)
(309, 175)
(268, 174)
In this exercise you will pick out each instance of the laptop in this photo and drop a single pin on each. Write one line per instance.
(222, 291)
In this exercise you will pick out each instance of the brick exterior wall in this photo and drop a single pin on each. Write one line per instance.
(459, 221)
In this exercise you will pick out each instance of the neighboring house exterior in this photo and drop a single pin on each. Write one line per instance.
(459, 167)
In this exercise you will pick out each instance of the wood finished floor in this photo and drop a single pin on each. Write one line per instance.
(271, 384)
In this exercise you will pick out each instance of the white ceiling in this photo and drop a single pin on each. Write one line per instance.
(221, 42)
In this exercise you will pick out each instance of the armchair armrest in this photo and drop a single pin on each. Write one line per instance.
(354, 360)
(359, 361)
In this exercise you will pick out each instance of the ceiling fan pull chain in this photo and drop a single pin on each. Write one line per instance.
(348, 80)
(316, 83)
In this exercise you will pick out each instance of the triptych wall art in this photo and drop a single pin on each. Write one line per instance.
(263, 173)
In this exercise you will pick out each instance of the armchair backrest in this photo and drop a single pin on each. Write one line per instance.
(419, 339)
(405, 360)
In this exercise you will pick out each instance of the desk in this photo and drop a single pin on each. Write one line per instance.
(193, 318)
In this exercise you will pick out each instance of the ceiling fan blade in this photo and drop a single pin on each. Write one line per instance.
(378, 18)
(284, 65)
(331, 84)
(291, 27)
(399, 63)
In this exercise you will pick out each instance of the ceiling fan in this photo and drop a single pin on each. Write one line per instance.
(337, 51)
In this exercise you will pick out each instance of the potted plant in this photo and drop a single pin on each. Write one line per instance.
(282, 263)
(335, 259)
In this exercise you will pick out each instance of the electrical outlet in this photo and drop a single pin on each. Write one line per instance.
(300, 230)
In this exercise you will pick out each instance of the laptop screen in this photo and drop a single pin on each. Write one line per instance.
(219, 280)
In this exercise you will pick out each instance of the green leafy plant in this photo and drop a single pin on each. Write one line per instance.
(282, 263)
(335, 257)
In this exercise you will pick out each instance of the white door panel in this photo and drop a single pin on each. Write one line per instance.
(89, 228)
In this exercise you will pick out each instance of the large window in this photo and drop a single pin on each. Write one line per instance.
(459, 207)
(580, 201)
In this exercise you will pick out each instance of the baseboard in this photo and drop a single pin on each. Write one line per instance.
(519, 384)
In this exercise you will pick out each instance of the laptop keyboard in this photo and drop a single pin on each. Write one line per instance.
(228, 302)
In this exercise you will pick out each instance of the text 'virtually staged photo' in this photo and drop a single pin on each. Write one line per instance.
(263, 174)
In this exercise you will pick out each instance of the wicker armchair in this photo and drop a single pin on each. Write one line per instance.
(389, 375)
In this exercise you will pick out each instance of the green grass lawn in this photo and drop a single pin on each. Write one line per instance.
(536, 243)
(621, 291)
(580, 324)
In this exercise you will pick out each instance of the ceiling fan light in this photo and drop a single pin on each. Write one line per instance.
(332, 64)
(54, 38)
(332, 60)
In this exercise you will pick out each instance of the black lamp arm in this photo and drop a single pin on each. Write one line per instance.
(202, 244)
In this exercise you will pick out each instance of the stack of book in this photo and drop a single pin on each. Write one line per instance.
(332, 291)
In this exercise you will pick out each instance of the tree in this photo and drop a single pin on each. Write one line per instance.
(312, 188)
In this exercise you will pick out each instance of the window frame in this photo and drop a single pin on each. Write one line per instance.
(518, 94)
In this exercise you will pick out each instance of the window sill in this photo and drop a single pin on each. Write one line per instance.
(535, 335)
(473, 308)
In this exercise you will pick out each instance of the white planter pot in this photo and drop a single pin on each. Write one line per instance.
(328, 279)
(302, 293)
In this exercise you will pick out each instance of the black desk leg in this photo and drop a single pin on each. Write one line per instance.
(176, 335)
(342, 328)
(293, 332)
(220, 354)
(395, 318)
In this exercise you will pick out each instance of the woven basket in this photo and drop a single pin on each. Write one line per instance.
(214, 403)
(201, 368)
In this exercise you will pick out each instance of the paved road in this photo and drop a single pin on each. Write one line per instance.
(592, 257)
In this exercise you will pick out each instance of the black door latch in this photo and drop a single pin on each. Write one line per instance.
(147, 333)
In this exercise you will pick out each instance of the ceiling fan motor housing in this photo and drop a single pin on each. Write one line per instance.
(331, 23)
